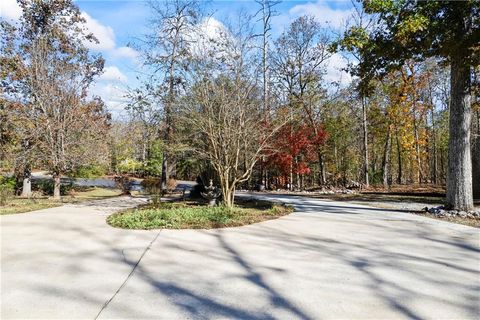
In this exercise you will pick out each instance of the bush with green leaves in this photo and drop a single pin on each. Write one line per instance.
(129, 166)
(46, 187)
(7, 189)
(153, 165)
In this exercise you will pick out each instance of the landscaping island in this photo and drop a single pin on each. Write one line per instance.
(193, 215)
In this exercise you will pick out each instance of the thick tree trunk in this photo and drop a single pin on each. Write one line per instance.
(56, 186)
(459, 175)
(434, 140)
(27, 182)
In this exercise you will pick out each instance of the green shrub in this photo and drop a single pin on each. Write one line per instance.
(376, 177)
(47, 186)
(89, 172)
(7, 189)
(153, 165)
(129, 166)
(6, 192)
(10, 182)
(197, 190)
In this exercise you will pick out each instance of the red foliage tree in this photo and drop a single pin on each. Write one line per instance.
(295, 148)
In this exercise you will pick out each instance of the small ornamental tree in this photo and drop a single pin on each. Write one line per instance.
(223, 117)
(223, 111)
(295, 148)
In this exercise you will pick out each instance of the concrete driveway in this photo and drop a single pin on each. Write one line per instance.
(328, 260)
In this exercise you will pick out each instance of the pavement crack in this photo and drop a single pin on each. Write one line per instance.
(128, 277)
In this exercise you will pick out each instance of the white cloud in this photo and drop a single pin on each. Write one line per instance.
(106, 37)
(322, 12)
(104, 34)
(335, 70)
(10, 10)
(205, 36)
(112, 94)
(125, 52)
(212, 28)
(112, 73)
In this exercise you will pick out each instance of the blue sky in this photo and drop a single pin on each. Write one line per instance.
(117, 24)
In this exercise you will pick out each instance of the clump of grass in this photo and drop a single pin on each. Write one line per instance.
(188, 216)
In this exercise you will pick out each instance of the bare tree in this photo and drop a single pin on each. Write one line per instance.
(168, 50)
(299, 64)
(266, 13)
(357, 25)
(143, 109)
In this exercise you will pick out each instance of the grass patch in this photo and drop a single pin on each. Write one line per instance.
(181, 215)
(21, 205)
(92, 193)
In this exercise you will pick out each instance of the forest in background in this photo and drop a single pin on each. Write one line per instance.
(239, 106)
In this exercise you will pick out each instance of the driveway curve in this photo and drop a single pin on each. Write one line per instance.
(327, 260)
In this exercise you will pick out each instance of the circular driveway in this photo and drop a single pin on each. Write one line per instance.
(328, 260)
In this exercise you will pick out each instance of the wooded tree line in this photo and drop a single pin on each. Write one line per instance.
(234, 103)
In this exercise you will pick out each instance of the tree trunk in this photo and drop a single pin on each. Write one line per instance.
(27, 182)
(459, 175)
(297, 175)
(417, 152)
(365, 142)
(476, 167)
(267, 184)
(386, 159)
(399, 154)
(163, 180)
(56, 186)
(434, 140)
(228, 197)
(321, 166)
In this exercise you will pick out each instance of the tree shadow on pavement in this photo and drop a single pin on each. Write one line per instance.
(403, 262)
